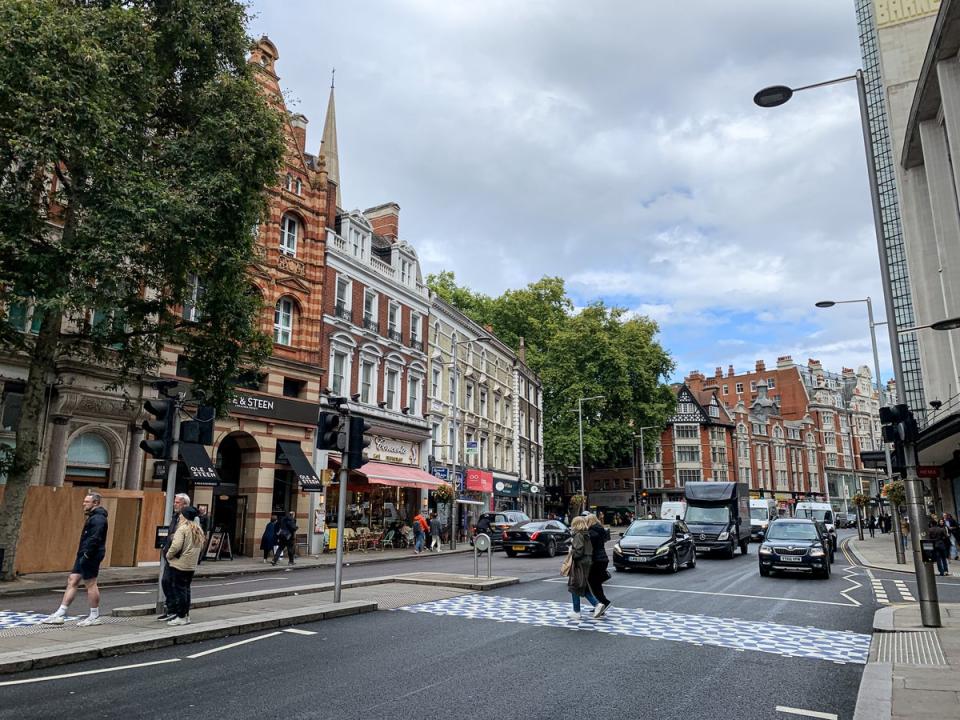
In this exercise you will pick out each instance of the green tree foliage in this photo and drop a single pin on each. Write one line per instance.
(148, 118)
(597, 351)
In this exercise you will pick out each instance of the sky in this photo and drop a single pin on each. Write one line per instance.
(613, 143)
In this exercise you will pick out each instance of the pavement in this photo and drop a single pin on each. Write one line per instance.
(41, 583)
(913, 671)
(27, 645)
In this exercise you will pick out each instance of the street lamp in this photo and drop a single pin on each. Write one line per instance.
(580, 402)
(455, 379)
(926, 585)
(643, 459)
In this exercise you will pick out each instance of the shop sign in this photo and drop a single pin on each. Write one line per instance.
(508, 488)
(402, 452)
(479, 481)
(928, 471)
(275, 407)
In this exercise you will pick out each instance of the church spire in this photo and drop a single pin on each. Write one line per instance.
(328, 145)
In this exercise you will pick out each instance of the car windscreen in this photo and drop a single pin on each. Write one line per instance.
(656, 528)
(792, 531)
(811, 514)
(697, 514)
(759, 514)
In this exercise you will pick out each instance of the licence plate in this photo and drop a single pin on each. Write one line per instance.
(789, 558)
(702, 548)
(521, 548)
(638, 559)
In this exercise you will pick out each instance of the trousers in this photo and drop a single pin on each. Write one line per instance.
(178, 601)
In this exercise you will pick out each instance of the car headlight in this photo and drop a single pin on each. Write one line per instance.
(765, 524)
(723, 536)
(617, 549)
(663, 549)
(817, 551)
(766, 550)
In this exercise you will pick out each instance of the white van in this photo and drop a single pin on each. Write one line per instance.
(761, 513)
(673, 509)
(821, 512)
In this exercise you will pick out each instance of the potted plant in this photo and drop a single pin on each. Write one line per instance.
(443, 493)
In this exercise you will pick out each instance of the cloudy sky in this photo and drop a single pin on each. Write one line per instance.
(613, 143)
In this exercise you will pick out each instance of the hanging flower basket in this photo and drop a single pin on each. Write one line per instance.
(577, 503)
(860, 500)
(444, 493)
(895, 492)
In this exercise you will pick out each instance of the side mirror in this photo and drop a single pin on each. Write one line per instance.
(620, 534)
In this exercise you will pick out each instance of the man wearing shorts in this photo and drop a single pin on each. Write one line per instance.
(90, 553)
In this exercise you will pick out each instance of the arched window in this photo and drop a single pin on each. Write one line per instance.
(289, 230)
(88, 460)
(283, 322)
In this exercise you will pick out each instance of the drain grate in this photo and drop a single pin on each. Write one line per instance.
(910, 648)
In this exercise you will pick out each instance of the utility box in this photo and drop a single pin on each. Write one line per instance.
(926, 551)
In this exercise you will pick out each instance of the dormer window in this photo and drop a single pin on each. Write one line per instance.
(289, 230)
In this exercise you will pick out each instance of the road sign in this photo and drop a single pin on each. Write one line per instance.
(473, 447)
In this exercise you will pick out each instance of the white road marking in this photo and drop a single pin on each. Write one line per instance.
(805, 713)
(851, 573)
(719, 594)
(232, 645)
(241, 582)
(298, 631)
(903, 590)
(139, 592)
(87, 672)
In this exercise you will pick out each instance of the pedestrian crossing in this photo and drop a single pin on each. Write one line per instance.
(903, 592)
(11, 619)
(767, 637)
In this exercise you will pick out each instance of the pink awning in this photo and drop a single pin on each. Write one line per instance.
(399, 476)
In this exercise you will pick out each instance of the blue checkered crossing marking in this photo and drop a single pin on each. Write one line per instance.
(10, 619)
(775, 638)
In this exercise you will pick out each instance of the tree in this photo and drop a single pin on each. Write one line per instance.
(598, 351)
(134, 150)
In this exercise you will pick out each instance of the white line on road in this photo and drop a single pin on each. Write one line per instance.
(140, 592)
(805, 713)
(241, 582)
(298, 631)
(232, 645)
(87, 672)
(718, 594)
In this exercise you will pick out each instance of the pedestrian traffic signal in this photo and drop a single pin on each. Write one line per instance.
(358, 442)
(331, 433)
(199, 431)
(161, 427)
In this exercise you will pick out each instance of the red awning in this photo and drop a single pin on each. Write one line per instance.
(399, 476)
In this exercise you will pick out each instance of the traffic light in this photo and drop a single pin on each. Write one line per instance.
(161, 428)
(899, 425)
(331, 433)
(358, 442)
(199, 431)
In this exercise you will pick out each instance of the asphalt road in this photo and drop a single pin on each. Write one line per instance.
(715, 641)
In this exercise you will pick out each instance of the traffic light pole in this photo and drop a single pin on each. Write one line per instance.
(341, 515)
(171, 490)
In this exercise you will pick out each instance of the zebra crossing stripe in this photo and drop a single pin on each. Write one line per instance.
(767, 637)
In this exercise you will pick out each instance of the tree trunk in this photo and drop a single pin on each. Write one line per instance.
(29, 430)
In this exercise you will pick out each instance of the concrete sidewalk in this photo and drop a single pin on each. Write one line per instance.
(879, 552)
(913, 672)
(135, 629)
(35, 583)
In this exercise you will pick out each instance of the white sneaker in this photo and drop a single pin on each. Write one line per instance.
(52, 620)
(600, 609)
(179, 621)
(574, 616)
(90, 620)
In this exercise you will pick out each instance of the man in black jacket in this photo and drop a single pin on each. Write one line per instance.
(90, 553)
(287, 537)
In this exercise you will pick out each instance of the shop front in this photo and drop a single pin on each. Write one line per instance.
(506, 493)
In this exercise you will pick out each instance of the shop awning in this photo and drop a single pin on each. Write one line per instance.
(309, 480)
(399, 476)
(198, 464)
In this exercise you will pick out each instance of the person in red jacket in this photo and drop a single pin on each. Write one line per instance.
(420, 527)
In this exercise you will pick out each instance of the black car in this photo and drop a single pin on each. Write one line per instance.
(793, 544)
(655, 543)
(542, 537)
(498, 522)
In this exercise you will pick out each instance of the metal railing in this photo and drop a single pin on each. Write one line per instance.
(370, 324)
(343, 312)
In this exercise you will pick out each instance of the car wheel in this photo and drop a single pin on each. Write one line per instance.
(551, 548)
(674, 562)
(692, 562)
(510, 553)
(764, 572)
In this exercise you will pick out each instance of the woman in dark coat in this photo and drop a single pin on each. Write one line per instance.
(599, 536)
(581, 553)
(269, 540)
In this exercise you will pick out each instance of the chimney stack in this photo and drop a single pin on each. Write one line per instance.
(784, 361)
(385, 220)
(522, 351)
(730, 372)
(760, 366)
(299, 124)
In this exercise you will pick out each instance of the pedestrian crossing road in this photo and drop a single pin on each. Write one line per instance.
(745, 635)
